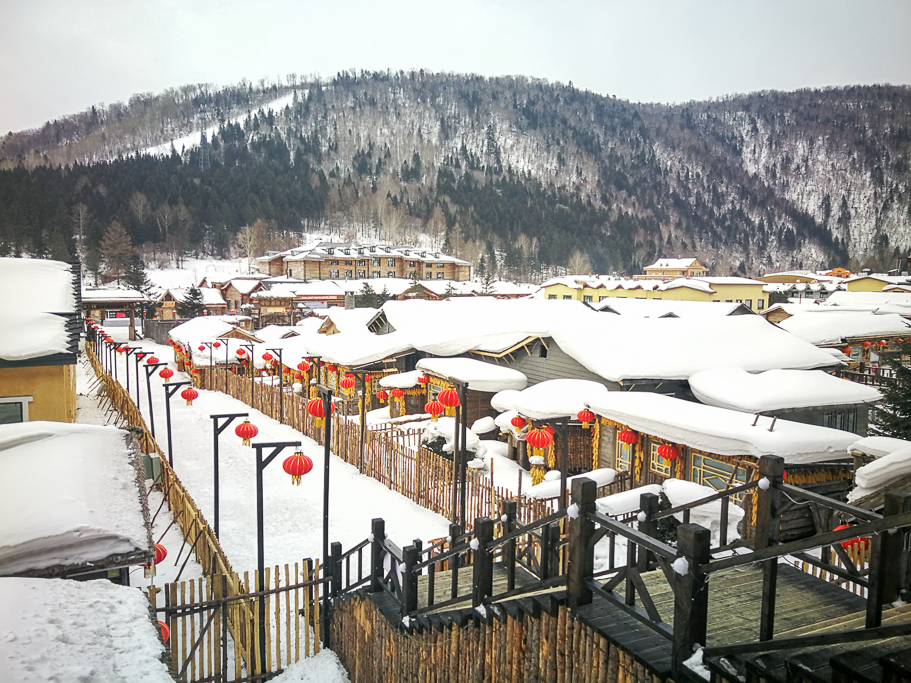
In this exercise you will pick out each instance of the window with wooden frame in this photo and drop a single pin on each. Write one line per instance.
(624, 456)
(716, 472)
(659, 465)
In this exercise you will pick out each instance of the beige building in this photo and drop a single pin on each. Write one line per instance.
(669, 268)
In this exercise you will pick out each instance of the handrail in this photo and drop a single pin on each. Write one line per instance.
(391, 548)
(708, 499)
(830, 537)
(831, 503)
(354, 549)
(442, 557)
(634, 535)
(522, 530)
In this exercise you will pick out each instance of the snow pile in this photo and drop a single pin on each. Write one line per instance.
(323, 667)
(550, 487)
(695, 664)
(503, 400)
(43, 285)
(505, 472)
(681, 492)
(658, 308)
(112, 294)
(401, 380)
(737, 389)
(203, 328)
(836, 327)
(62, 630)
(350, 319)
(722, 431)
(27, 334)
(552, 398)
(483, 425)
(479, 375)
(884, 470)
(75, 497)
(625, 502)
(444, 428)
(877, 446)
(271, 333)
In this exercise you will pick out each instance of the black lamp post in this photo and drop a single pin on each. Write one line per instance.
(249, 349)
(128, 350)
(211, 362)
(261, 464)
(169, 390)
(326, 394)
(459, 452)
(139, 356)
(223, 340)
(114, 353)
(150, 369)
(281, 386)
(561, 429)
(217, 429)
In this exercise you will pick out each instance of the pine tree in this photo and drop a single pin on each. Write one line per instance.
(137, 278)
(487, 284)
(366, 298)
(893, 415)
(116, 248)
(192, 305)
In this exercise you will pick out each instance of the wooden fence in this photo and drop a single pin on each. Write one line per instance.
(240, 617)
(859, 554)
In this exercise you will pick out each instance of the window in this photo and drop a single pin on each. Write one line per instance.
(760, 304)
(375, 273)
(587, 298)
(601, 298)
(390, 262)
(567, 296)
(715, 473)
(439, 276)
(624, 459)
(739, 301)
(349, 263)
(659, 465)
(347, 251)
(390, 273)
(376, 262)
(362, 273)
(333, 262)
(840, 419)
(411, 274)
(439, 265)
(429, 276)
(362, 262)
(749, 303)
(411, 264)
(14, 409)
(333, 274)
(330, 250)
(347, 273)
(551, 296)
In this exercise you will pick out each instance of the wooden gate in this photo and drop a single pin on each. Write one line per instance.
(215, 636)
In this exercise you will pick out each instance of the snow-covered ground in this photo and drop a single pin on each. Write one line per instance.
(292, 514)
(194, 270)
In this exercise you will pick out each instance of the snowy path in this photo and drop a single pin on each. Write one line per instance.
(293, 515)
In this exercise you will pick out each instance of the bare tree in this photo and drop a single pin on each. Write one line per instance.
(139, 207)
(164, 218)
(579, 264)
(80, 215)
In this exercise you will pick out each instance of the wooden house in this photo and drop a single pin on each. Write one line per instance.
(40, 340)
(114, 303)
(237, 291)
(667, 268)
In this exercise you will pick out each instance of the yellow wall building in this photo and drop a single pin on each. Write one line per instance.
(595, 290)
(667, 268)
(39, 393)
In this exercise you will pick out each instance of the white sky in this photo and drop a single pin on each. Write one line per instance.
(61, 56)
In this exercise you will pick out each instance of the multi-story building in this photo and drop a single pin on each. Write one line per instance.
(345, 260)
(667, 268)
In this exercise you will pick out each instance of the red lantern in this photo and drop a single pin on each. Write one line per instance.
(898, 341)
(298, 376)
(382, 395)
(160, 553)
(847, 350)
(165, 631)
(201, 347)
(628, 437)
(152, 360)
(286, 370)
(267, 356)
(518, 422)
(538, 439)
(189, 394)
(121, 349)
(347, 383)
(549, 430)
(397, 393)
(240, 352)
(866, 345)
(167, 374)
(316, 410)
(331, 367)
(585, 417)
(217, 345)
(368, 378)
(668, 452)
(423, 379)
(194, 371)
(246, 431)
(297, 466)
(435, 409)
(449, 398)
(860, 541)
(303, 366)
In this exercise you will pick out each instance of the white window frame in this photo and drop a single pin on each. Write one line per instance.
(22, 400)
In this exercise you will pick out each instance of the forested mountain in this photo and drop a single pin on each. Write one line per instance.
(513, 173)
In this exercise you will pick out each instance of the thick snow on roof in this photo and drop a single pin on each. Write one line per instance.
(551, 488)
(245, 285)
(878, 446)
(690, 283)
(869, 299)
(273, 332)
(210, 295)
(25, 334)
(656, 308)
(673, 263)
(777, 389)
(551, 399)
(75, 497)
(113, 294)
(63, 630)
(479, 375)
(350, 319)
(882, 471)
(203, 328)
(835, 328)
(38, 284)
(721, 431)
(401, 380)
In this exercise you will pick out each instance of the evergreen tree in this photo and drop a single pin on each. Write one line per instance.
(94, 263)
(137, 278)
(893, 415)
(487, 284)
(366, 298)
(192, 305)
(116, 248)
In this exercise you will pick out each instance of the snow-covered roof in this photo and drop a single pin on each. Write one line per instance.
(881, 472)
(479, 375)
(551, 488)
(836, 328)
(355, 250)
(25, 334)
(401, 380)
(777, 389)
(37, 284)
(273, 332)
(872, 300)
(674, 263)
(878, 446)
(210, 295)
(121, 294)
(350, 319)
(63, 630)
(657, 308)
(550, 399)
(721, 431)
(244, 285)
(203, 328)
(76, 498)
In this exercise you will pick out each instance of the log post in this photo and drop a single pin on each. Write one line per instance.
(581, 551)
(509, 509)
(455, 531)
(885, 561)
(550, 536)
(768, 504)
(335, 561)
(410, 556)
(483, 562)
(648, 505)
(691, 598)
(378, 532)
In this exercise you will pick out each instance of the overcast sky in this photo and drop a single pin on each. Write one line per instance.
(61, 56)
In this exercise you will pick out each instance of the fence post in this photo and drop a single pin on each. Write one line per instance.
(335, 559)
(648, 505)
(768, 504)
(483, 561)
(691, 596)
(508, 518)
(455, 531)
(885, 561)
(378, 532)
(550, 534)
(410, 556)
(581, 551)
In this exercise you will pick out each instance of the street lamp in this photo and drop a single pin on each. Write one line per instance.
(326, 395)
(169, 390)
(249, 349)
(217, 429)
(150, 369)
(227, 353)
(211, 362)
(281, 386)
